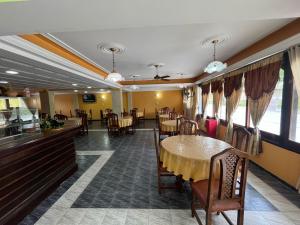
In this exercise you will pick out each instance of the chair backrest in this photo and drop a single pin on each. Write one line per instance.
(124, 114)
(172, 115)
(178, 121)
(71, 114)
(240, 138)
(225, 168)
(108, 110)
(188, 127)
(60, 117)
(112, 120)
(156, 142)
(198, 118)
(101, 114)
(133, 114)
(164, 110)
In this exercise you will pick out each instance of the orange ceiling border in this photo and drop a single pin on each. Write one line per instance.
(55, 48)
(277, 36)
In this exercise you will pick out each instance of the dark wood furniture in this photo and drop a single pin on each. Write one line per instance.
(172, 115)
(31, 167)
(220, 193)
(241, 138)
(188, 127)
(113, 124)
(84, 123)
(161, 172)
(60, 117)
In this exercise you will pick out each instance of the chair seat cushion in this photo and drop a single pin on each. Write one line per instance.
(200, 190)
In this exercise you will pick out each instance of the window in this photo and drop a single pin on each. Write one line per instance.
(209, 106)
(239, 116)
(271, 119)
(295, 117)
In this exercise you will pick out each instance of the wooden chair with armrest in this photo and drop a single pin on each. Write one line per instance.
(219, 193)
(161, 171)
(188, 127)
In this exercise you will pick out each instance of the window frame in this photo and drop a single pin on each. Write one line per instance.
(282, 140)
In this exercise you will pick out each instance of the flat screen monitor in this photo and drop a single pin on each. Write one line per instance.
(88, 98)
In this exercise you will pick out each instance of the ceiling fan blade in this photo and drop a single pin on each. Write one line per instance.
(166, 76)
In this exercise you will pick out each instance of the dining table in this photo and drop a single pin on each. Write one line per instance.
(190, 155)
(125, 121)
(139, 114)
(169, 125)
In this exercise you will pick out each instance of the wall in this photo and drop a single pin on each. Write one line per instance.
(278, 161)
(151, 100)
(125, 101)
(103, 101)
(63, 103)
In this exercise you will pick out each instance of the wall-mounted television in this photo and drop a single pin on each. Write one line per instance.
(88, 98)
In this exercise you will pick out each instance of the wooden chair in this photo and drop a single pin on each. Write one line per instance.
(113, 124)
(60, 117)
(84, 123)
(240, 138)
(161, 172)
(172, 115)
(134, 117)
(164, 110)
(101, 115)
(188, 127)
(71, 114)
(219, 193)
(124, 114)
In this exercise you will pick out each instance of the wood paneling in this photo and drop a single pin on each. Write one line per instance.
(30, 170)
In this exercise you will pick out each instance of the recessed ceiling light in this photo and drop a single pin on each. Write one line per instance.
(75, 90)
(3, 82)
(89, 87)
(85, 92)
(11, 72)
(74, 84)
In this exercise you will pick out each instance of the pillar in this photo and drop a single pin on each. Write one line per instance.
(117, 101)
(47, 102)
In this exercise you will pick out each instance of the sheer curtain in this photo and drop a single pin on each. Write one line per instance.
(294, 56)
(195, 101)
(260, 81)
(232, 92)
(217, 91)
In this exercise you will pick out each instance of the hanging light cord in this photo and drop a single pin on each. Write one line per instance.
(113, 59)
(215, 43)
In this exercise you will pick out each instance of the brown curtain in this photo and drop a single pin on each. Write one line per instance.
(217, 92)
(260, 81)
(205, 92)
(232, 92)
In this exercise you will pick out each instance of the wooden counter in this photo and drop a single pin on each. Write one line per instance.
(31, 167)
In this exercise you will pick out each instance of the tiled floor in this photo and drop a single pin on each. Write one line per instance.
(116, 184)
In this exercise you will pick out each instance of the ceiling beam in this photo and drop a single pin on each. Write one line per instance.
(53, 47)
(277, 36)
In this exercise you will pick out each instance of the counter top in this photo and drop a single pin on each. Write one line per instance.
(30, 138)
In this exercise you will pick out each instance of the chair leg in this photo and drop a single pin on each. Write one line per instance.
(240, 217)
(208, 218)
(193, 205)
(158, 182)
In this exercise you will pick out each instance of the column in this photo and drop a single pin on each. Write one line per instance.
(47, 102)
(117, 101)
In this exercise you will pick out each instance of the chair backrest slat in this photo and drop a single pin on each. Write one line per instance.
(225, 169)
(188, 127)
(240, 138)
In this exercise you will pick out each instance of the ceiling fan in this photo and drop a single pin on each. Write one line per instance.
(157, 77)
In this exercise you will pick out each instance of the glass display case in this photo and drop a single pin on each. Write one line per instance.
(18, 115)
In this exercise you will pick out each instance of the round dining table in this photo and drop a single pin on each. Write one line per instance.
(125, 121)
(163, 117)
(139, 114)
(190, 155)
(169, 125)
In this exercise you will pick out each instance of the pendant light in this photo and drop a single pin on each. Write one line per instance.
(114, 76)
(215, 66)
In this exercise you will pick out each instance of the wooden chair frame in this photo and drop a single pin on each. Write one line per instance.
(241, 138)
(228, 162)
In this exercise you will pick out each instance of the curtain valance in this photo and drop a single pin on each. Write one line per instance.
(232, 83)
(262, 77)
(217, 86)
(205, 88)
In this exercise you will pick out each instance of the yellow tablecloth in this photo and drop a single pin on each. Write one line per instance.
(73, 120)
(125, 121)
(139, 114)
(163, 117)
(190, 155)
(169, 125)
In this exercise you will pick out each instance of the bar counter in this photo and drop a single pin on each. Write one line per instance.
(31, 167)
